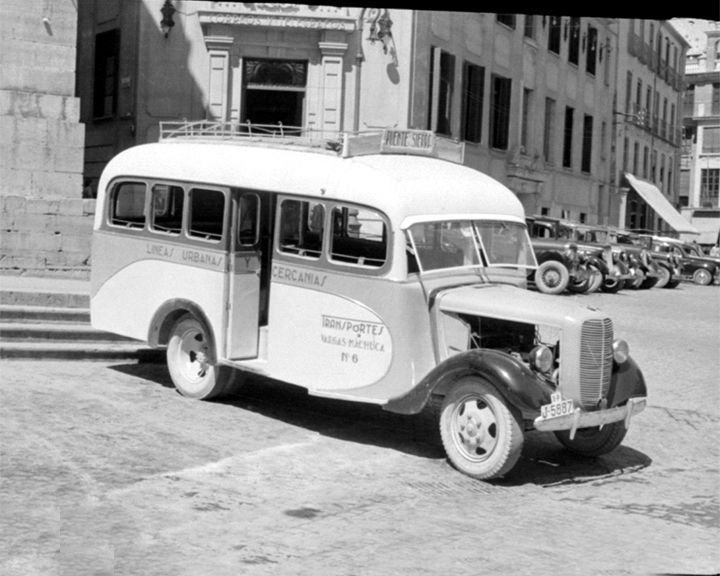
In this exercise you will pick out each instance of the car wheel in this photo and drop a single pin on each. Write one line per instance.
(673, 284)
(481, 436)
(612, 286)
(665, 276)
(702, 277)
(593, 441)
(552, 277)
(188, 359)
(649, 282)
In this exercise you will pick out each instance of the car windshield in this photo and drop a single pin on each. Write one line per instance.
(466, 243)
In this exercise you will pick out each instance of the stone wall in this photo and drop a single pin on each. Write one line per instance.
(45, 225)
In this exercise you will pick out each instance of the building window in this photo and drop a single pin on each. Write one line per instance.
(473, 90)
(529, 26)
(591, 61)
(574, 47)
(646, 158)
(442, 79)
(661, 179)
(603, 140)
(500, 112)
(715, 105)
(526, 112)
(549, 133)
(274, 92)
(709, 187)
(648, 102)
(587, 143)
(689, 102)
(711, 140)
(554, 34)
(105, 90)
(626, 152)
(636, 156)
(628, 92)
(583, 217)
(567, 140)
(638, 96)
(507, 19)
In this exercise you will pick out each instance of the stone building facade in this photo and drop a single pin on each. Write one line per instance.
(46, 224)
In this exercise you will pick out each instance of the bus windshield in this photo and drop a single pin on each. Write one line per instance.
(466, 243)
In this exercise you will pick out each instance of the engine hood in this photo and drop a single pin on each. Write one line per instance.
(516, 304)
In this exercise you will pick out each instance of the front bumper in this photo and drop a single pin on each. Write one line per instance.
(582, 419)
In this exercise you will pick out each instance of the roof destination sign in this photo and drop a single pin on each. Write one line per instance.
(394, 141)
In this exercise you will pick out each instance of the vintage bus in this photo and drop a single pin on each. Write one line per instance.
(371, 267)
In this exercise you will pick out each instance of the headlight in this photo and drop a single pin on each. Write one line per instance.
(621, 351)
(541, 359)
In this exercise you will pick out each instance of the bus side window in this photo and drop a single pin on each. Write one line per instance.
(167, 208)
(301, 228)
(127, 206)
(359, 236)
(207, 214)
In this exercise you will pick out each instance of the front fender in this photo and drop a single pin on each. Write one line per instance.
(627, 381)
(599, 263)
(519, 385)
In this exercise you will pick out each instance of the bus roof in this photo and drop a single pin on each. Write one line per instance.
(399, 185)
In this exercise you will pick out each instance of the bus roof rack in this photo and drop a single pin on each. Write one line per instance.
(347, 144)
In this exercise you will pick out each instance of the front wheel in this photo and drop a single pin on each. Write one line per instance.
(188, 359)
(612, 286)
(481, 436)
(594, 441)
(665, 277)
(552, 277)
(702, 277)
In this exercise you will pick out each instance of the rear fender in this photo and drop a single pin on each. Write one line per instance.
(520, 386)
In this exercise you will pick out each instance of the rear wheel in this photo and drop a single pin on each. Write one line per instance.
(593, 441)
(702, 277)
(188, 359)
(552, 277)
(673, 284)
(481, 436)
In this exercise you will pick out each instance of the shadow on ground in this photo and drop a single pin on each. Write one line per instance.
(544, 462)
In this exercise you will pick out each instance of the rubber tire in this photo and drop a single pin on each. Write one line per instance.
(702, 277)
(591, 442)
(650, 282)
(664, 280)
(558, 274)
(672, 284)
(191, 378)
(637, 281)
(470, 401)
(613, 288)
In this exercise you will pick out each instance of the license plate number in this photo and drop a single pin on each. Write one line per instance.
(558, 407)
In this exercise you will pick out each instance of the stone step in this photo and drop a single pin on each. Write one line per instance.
(22, 331)
(34, 314)
(92, 351)
(46, 298)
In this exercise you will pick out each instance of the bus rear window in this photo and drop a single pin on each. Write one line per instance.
(207, 214)
(127, 207)
(301, 228)
(359, 237)
(167, 208)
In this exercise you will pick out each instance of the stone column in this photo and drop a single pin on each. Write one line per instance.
(218, 104)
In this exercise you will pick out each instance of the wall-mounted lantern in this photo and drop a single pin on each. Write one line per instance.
(380, 27)
(167, 22)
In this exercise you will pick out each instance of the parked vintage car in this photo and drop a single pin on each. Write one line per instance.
(634, 274)
(668, 263)
(600, 259)
(702, 270)
(647, 271)
(560, 265)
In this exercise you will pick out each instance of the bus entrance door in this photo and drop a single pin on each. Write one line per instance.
(245, 272)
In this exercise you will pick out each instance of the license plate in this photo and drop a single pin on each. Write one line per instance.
(558, 407)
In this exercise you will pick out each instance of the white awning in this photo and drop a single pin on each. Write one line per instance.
(659, 203)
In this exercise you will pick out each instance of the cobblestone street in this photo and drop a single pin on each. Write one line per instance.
(107, 470)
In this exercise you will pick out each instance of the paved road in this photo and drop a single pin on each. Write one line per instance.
(107, 470)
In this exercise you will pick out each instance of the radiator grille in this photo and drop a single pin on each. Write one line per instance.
(596, 358)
